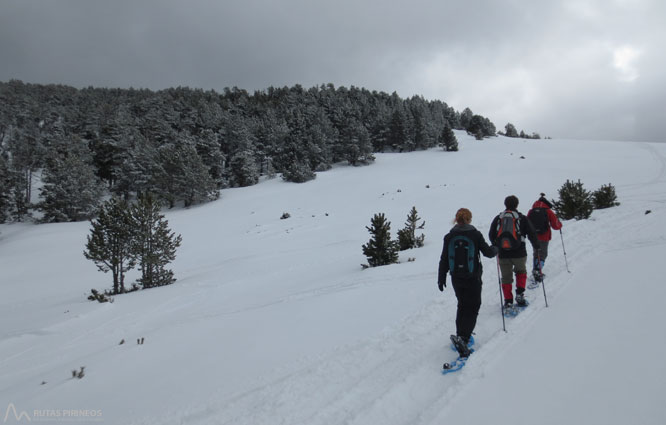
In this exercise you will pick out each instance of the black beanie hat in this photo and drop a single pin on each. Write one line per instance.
(545, 201)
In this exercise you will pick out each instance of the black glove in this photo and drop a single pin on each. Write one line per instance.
(442, 284)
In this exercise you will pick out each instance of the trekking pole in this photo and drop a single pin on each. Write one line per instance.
(565, 252)
(499, 280)
(543, 280)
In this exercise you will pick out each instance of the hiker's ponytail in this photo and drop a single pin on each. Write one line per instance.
(463, 216)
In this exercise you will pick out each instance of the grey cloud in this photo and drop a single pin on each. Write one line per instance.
(546, 66)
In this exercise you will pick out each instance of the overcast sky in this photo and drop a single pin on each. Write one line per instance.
(579, 69)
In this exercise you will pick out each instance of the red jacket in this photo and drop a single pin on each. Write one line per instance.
(552, 219)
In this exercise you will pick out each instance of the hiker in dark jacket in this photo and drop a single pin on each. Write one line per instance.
(466, 283)
(512, 251)
(543, 219)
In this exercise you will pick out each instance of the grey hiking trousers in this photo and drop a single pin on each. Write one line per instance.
(509, 266)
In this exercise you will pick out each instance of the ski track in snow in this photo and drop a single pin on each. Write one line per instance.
(404, 361)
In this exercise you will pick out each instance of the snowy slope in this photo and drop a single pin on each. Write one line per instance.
(274, 321)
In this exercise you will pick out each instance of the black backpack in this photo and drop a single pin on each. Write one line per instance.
(539, 219)
(508, 231)
(462, 252)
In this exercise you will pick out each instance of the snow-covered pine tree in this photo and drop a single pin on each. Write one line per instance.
(158, 119)
(71, 190)
(466, 118)
(575, 201)
(425, 128)
(298, 172)
(13, 192)
(153, 243)
(292, 158)
(407, 238)
(20, 206)
(510, 130)
(27, 156)
(355, 144)
(243, 169)
(136, 173)
(380, 249)
(397, 130)
(198, 185)
(5, 189)
(181, 175)
(321, 137)
(480, 127)
(379, 135)
(109, 244)
(271, 132)
(208, 148)
(448, 139)
(111, 144)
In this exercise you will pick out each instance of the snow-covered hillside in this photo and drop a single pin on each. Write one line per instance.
(274, 321)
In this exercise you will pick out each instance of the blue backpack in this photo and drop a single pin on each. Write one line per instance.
(462, 256)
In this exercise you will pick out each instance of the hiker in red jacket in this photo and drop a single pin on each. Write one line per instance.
(543, 219)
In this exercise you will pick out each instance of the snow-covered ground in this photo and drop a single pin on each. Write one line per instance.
(274, 321)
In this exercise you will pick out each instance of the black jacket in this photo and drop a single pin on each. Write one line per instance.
(526, 230)
(479, 243)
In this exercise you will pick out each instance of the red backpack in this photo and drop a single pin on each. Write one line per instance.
(508, 231)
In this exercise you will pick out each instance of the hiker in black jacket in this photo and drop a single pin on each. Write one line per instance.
(460, 257)
(508, 232)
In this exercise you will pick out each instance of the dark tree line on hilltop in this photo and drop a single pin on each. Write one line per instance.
(182, 145)
(510, 131)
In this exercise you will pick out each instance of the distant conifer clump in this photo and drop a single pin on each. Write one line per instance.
(510, 131)
(183, 145)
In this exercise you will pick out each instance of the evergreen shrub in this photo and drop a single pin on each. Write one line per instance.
(604, 197)
(380, 249)
(575, 201)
